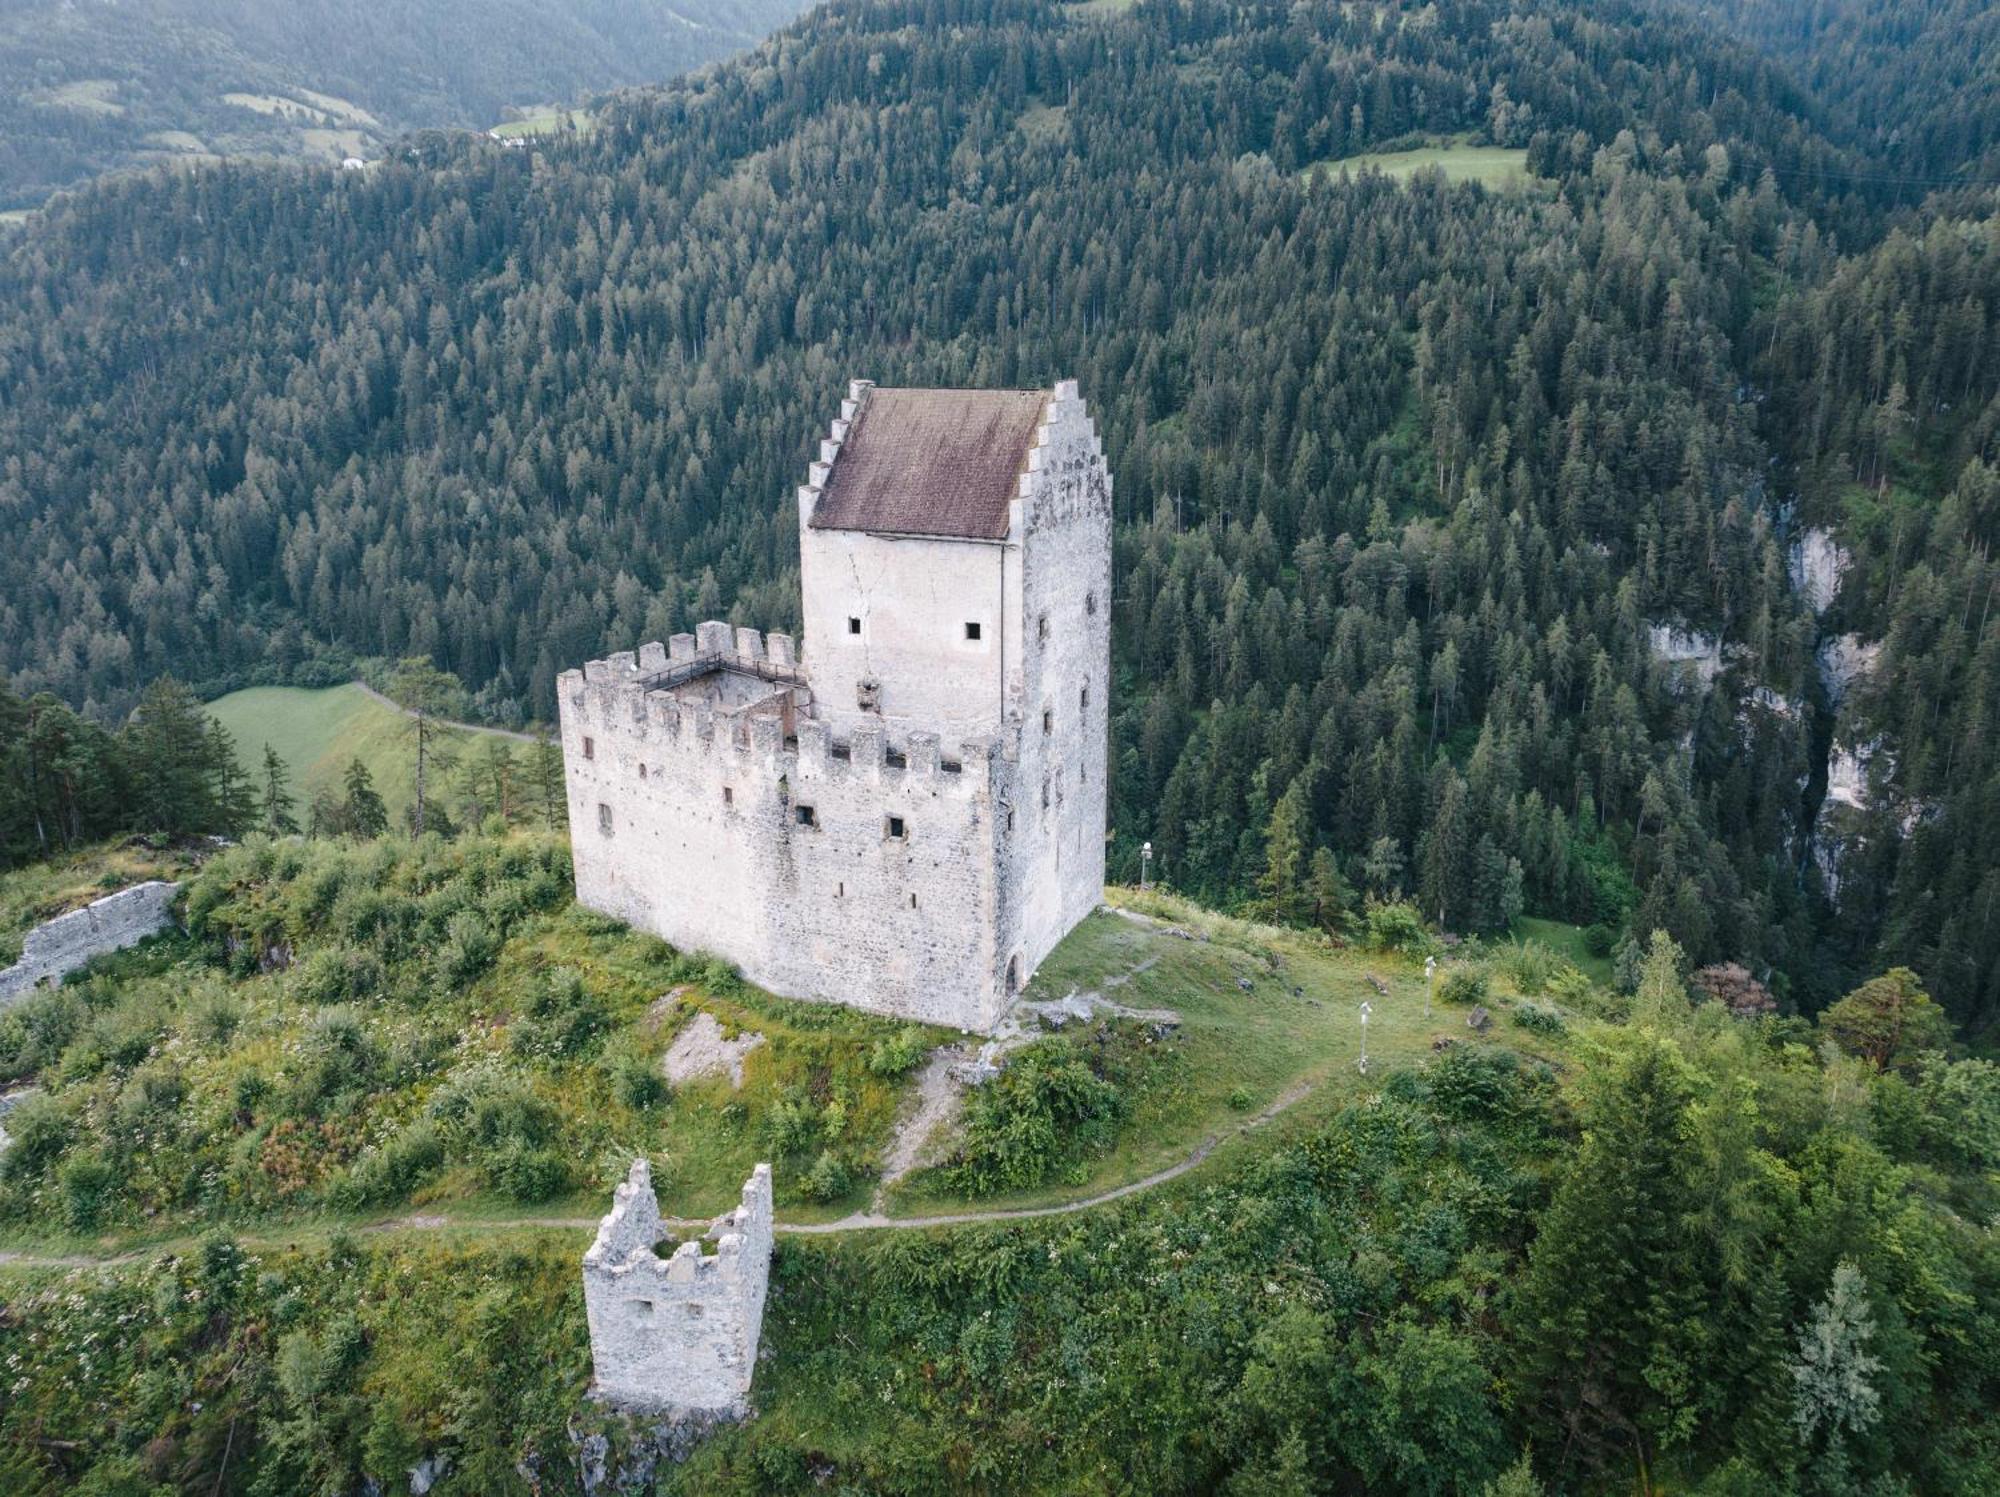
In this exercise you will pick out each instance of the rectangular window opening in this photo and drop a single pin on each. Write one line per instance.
(1048, 721)
(951, 766)
(589, 748)
(895, 827)
(806, 816)
(642, 771)
(853, 624)
(840, 891)
(896, 759)
(1042, 627)
(1083, 698)
(604, 818)
(913, 901)
(1010, 818)
(728, 795)
(971, 629)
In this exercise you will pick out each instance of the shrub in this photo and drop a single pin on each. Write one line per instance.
(88, 1182)
(339, 1058)
(1239, 1099)
(40, 1129)
(471, 946)
(563, 1018)
(897, 1054)
(1464, 983)
(1531, 966)
(636, 1080)
(1395, 926)
(1540, 1018)
(340, 974)
(827, 1180)
(1047, 1109)
(38, 1029)
(527, 1174)
(391, 1170)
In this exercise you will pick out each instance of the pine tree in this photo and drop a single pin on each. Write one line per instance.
(1284, 897)
(1833, 1392)
(278, 820)
(1661, 998)
(232, 795)
(172, 754)
(1328, 892)
(429, 697)
(362, 814)
(545, 776)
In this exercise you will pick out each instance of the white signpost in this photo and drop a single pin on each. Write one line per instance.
(1430, 982)
(1366, 1010)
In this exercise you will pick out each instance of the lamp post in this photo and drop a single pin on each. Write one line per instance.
(1365, 1012)
(1145, 865)
(1430, 982)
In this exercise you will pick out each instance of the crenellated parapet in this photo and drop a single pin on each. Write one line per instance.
(678, 1332)
(743, 702)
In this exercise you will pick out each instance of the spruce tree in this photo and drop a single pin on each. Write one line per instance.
(362, 814)
(172, 757)
(278, 820)
(232, 795)
(545, 776)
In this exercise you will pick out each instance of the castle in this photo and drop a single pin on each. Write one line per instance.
(906, 813)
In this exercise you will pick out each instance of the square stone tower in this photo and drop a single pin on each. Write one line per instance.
(906, 813)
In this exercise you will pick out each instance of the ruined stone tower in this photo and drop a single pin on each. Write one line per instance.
(906, 814)
(677, 1333)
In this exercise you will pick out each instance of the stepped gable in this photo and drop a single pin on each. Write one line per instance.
(932, 462)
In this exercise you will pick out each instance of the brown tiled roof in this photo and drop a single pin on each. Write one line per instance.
(932, 462)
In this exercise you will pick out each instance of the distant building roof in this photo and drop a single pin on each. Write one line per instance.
(932, 462)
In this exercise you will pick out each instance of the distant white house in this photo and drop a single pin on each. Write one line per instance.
(353, 164)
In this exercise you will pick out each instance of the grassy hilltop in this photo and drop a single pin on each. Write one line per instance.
(335, 1153)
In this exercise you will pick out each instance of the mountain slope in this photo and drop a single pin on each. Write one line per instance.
(1418, 486)
(88, 86)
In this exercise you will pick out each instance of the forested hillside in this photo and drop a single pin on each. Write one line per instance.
(1918, 79)
(1491, 541)
(88, 86)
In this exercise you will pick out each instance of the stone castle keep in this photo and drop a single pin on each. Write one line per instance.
(906, 813)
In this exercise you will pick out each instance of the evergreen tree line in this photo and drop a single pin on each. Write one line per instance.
(1407, 473)
(172, 771)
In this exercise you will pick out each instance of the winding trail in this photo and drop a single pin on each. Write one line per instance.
(859, 1221)
(394, 706)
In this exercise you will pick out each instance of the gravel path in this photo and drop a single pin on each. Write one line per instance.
(395, 706)
(859, 1221)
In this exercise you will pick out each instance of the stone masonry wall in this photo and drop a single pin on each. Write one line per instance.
(706, 848)
(68, 941)
(1053, 873)
(677, 1333)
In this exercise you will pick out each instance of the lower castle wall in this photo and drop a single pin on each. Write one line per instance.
(677, 1333)
(705, 850)
(110, 924)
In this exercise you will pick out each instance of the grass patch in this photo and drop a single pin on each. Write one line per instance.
(1236, 1052)
(1490, 166)
(1571, 943)
(546, 122)
(317, 733)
